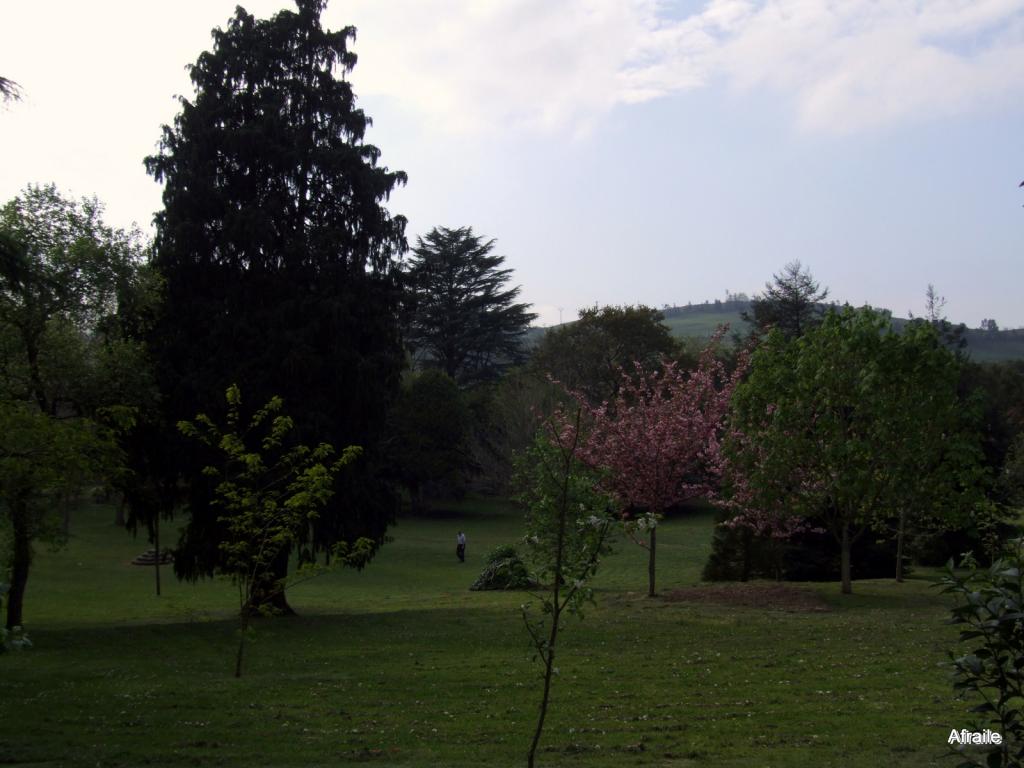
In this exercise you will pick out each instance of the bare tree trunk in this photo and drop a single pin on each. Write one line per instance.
(156, 543)
(844, 567)
(65, 509)
(650, 562)
(20, 561)
(899, 545)
(267, 591)
(549, 667)
(34, 376)
(241, 640)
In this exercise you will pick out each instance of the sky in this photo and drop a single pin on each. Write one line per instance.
(618, 151)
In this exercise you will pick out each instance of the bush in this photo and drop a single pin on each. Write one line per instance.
(989, 606)
(504, 570)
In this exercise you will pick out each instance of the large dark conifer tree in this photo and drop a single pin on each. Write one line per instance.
(461, 316)
(279, 259)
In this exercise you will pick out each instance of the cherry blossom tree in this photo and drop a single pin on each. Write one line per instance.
(658, 443)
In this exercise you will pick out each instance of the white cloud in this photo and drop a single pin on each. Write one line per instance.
(540, 65)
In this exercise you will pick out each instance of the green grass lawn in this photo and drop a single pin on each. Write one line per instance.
(401, 665)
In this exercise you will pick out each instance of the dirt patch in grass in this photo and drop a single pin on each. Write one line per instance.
(780, 597)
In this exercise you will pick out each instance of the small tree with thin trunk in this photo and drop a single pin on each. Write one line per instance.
(267, 493)
(569, 525)
(657, 444)
(41, 458)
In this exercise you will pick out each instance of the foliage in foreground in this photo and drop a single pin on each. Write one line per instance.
(990, 608)
(568, 529)
(268, 496)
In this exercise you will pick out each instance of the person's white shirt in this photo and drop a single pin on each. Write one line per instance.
(460, 539)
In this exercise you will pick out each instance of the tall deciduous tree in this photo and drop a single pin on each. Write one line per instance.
(849, 421)
(279, 260)
(41, 458)
(588, 356)
(658, 443)
(792, 302)
(462, 316)
(65, 361)
(60, 297)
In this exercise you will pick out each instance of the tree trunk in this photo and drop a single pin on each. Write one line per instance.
(21, 559)
(844, 567)
(549, 668)
(156, 544)
(65, 508)
(745, 549)
(899, 545)
(268, 592)
(34, 376)
(119, 515)
(241, 640)
(556, 614)
(650, 562)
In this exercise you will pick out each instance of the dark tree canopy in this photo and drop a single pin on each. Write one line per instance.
(792, 302)
(586, 356)
(428, 437)
(461, 316)
(279, 257)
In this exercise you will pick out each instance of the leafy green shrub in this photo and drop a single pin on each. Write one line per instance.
(504, 570)
(990, 603)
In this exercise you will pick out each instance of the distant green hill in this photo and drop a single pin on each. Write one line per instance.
(700, 321)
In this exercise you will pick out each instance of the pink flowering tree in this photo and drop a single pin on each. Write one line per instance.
(765, 515)
(658, 443)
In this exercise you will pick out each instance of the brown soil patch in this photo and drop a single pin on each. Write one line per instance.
(780, 597)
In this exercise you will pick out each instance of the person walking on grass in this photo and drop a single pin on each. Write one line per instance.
(460, 547)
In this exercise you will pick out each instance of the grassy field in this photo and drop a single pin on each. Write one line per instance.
(401, 665)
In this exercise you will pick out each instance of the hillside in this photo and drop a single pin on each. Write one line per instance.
(701, 320)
